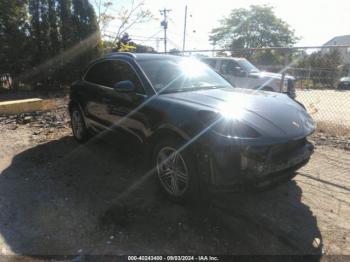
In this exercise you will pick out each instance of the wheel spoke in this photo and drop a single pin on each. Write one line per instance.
(181, 176)
(174, 185)
(166, 173)
(174, 159)
(163, 160)
(77, 124)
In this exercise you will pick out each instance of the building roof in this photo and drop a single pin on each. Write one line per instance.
(339, 40)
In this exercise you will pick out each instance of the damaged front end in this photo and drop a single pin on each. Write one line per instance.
(258, 165)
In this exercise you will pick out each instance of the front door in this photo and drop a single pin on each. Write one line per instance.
(125, 111)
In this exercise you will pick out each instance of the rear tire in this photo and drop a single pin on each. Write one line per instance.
(80, 131)
(176, 170)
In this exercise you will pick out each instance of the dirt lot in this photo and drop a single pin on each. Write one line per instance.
(61, 198)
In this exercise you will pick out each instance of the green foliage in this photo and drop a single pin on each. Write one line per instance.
(325, 67)
(14, 29)
(255, 27)
(125, 44)
(322, 60)
(144, 49)
(175, 51)
(47, 42)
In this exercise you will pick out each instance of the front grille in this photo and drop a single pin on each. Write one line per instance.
(281, 152)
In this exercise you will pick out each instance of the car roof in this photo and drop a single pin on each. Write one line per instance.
(223, 58)
(141, 56)
(346, 78)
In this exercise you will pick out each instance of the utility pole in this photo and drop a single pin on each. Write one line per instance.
(164, 24)
(185, 28)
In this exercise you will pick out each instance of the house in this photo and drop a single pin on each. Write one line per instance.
(341, 40)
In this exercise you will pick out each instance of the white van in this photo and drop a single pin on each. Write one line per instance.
(241, 73)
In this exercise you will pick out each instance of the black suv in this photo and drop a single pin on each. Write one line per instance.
(201, 131)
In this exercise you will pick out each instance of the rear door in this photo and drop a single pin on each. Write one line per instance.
(94, 82)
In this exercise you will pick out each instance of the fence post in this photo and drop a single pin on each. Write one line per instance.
(286, 65)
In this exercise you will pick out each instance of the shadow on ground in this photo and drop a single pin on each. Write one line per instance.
(60, 198)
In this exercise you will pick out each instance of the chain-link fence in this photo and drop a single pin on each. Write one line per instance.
(319, 77)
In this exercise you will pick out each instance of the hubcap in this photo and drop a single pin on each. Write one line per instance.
(77, 124)
(172, 171)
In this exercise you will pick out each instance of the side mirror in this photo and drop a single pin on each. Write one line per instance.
(124, 86)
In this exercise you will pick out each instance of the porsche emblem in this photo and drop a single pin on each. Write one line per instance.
(295, 124)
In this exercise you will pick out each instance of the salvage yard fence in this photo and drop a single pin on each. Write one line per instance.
(317, 72)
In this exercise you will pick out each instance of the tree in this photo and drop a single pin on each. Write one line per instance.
(15, 49)
(64, 35)
(103, 13)
(323, 67)
(125, 44)
(66, 23)
(175, 51)
(143, 48)
(84, 18)
(126, 17)
(255, 27)
(53, 23)
(131, 16)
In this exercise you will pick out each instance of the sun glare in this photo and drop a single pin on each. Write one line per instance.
(234, 108)
(192, 67)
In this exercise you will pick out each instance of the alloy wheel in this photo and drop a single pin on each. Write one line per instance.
(172, 171)
(77, 124)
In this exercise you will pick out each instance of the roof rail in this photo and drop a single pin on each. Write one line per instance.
(122, 53)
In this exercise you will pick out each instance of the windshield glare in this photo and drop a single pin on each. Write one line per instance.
(181, 74)
(247, 66)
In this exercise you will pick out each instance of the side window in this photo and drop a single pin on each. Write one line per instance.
(229, 67)
(122, 71)
(97, 73)
(109, 72)
(210, 62)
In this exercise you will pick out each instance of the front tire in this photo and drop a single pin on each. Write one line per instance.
(80, 132)
(176, 170)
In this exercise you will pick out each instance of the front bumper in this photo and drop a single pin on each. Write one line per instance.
(256, 166)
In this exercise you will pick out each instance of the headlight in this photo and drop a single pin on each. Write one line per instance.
(227, 127)
(235, 129)
(308, 122)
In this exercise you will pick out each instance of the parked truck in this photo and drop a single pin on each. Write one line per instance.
(241, 73)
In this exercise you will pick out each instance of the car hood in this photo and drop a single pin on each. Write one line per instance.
(271, 114)
(345, 79)
(263, 74)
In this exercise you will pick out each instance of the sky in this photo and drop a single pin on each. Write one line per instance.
(314, 21)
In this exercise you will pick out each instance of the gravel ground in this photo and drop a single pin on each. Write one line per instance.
(61, 198)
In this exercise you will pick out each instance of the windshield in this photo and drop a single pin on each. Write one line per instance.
(247, 66)
(181, 74)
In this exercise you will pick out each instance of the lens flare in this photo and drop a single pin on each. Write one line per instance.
(234, 108)
(192, 67)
